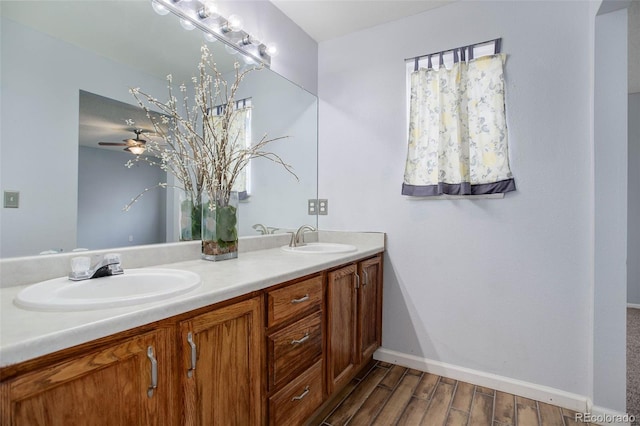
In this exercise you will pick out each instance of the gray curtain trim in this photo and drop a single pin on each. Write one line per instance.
(464, 188)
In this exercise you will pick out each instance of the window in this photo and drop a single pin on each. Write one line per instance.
(457, 139)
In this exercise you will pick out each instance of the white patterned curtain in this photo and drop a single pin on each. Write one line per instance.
(240, 134)
(458, 130)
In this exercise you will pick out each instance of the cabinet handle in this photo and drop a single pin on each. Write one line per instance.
(302, 299)
(357, 279)
(302, 395)
(366, 277)
(301, 340)
(194, 354)
(154, 372)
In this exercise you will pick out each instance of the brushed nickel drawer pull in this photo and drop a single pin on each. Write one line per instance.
(366, 277)
(194, 354)
(357, 279)
(154, 372)
(302, 299)
(301, 340)
(302, 395)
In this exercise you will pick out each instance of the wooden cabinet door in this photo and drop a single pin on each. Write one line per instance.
(221, 372)
(112, 386)
(369, 307)
(341, 326)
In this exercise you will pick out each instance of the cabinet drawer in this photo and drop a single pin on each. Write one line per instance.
(293, 348)
(299, 399)
(287, 302)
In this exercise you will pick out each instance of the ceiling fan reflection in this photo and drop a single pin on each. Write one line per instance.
(135, 146)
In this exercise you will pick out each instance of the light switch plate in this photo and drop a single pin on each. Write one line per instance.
(11, 199)
(312, 207)
(323, 206)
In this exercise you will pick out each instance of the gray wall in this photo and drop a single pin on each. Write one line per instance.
(298, 52)
(105, 186)
(498, 286)
(40, 103)
(278, 110)
(610, 210)
(633, 242)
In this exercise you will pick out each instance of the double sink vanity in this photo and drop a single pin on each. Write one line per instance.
(267, 338)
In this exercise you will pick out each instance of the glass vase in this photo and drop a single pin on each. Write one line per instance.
(190, 217)
(219, 226)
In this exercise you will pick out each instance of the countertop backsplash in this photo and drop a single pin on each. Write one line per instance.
(32, 269)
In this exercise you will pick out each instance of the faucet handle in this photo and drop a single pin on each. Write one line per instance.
(80, 268)
(113, 261)
(111, 258)
(293, 242)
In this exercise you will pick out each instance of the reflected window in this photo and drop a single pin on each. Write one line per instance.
(240, 134)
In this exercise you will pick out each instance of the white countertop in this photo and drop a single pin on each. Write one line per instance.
(26, 334)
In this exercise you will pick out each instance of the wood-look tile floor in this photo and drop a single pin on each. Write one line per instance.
(388, 394)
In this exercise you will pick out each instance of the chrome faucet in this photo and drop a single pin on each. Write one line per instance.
(297, 238)
(105, 267)
(264, 230)
(260, 228)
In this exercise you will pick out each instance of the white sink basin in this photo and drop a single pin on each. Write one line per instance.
(131, 288)
(321, 248)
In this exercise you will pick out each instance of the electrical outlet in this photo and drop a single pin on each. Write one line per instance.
(323, 207)
(11, 199)
(312, 207)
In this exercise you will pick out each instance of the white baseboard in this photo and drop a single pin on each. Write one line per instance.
(633, 305)
(575, 402)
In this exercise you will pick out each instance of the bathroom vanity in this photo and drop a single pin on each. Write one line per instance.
(267, 338)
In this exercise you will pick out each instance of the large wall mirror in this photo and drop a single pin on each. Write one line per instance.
(66, 71)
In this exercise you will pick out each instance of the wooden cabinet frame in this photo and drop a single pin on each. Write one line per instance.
(354, 319)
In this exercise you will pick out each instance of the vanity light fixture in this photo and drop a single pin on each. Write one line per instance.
(270, 49)
(210, 37)
(250, 39)
(208, 9)
(204, 15)
(159, 8)
(186, 24)
(232, 24)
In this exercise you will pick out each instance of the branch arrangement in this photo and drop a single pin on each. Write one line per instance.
(199, 147)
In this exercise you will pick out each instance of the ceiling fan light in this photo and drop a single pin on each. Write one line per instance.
(135, 150)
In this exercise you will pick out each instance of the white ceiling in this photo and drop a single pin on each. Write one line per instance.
(327, 19)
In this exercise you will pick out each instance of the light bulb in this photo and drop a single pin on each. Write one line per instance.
(230, 49)
(210, 37)
(159, 8)
(270, 49)
(208, 9)
(234, 23)
(186, 24)
(248, 60)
